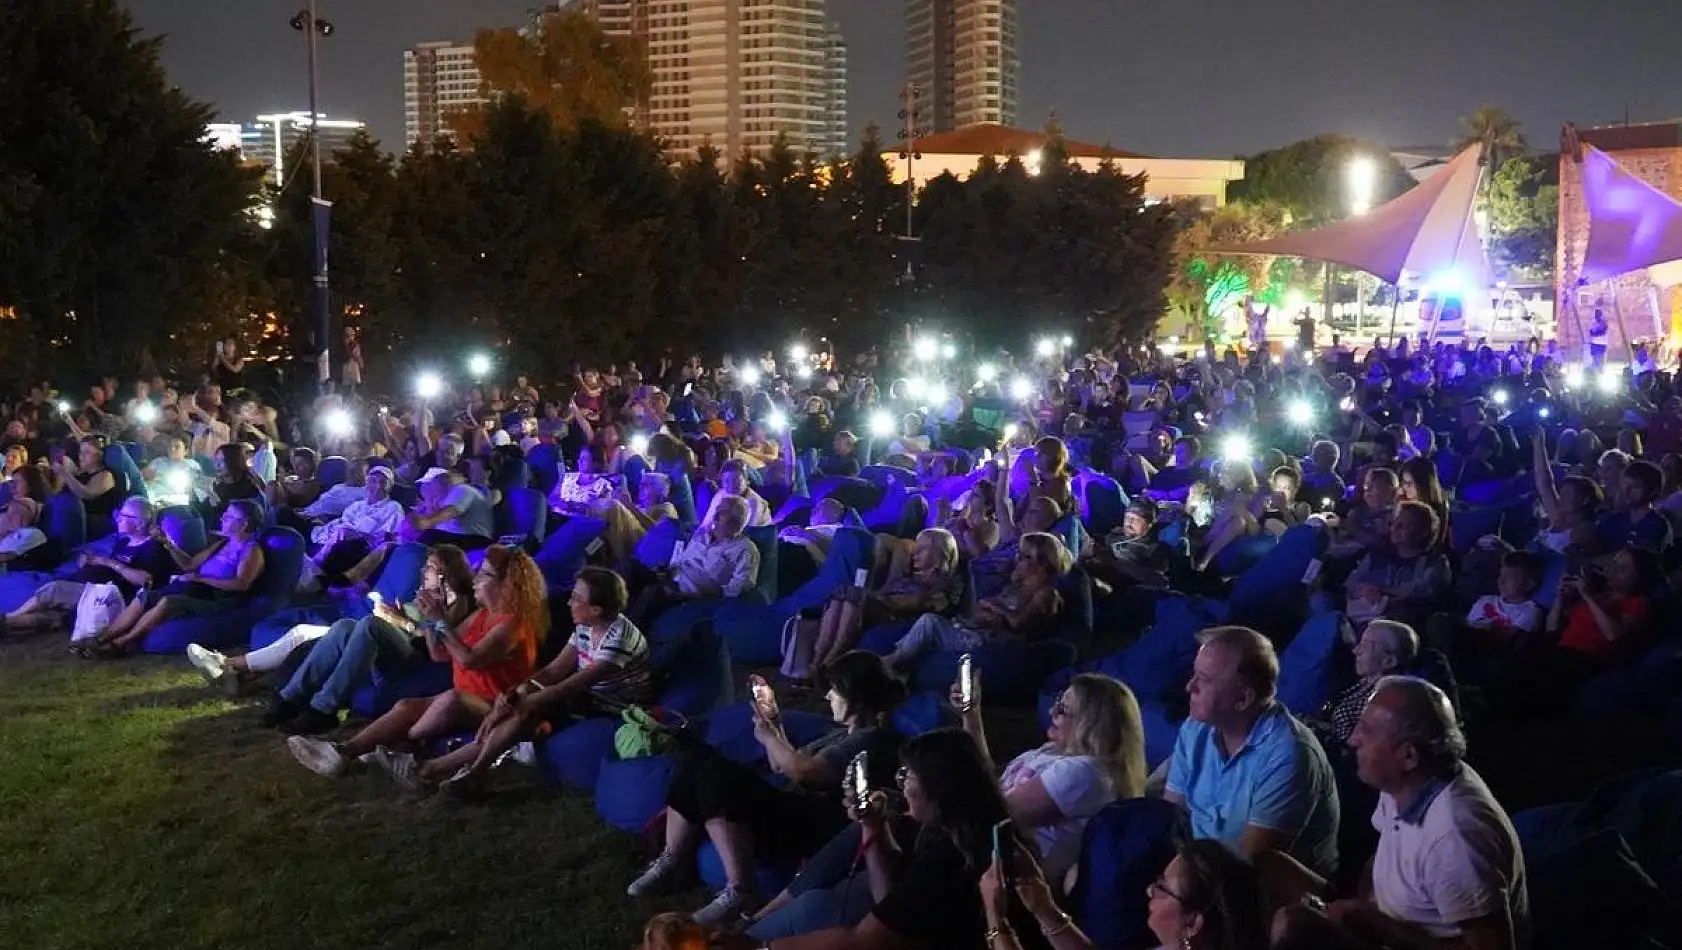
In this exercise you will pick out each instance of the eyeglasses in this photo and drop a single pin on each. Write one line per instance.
(1159, 888)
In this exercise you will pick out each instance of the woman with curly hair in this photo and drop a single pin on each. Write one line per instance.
(493, 651)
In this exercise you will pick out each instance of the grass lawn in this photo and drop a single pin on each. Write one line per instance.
(139, 809)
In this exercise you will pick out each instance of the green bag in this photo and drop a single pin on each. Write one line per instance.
(641, 735)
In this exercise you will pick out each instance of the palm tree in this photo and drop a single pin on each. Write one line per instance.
(1496, 126)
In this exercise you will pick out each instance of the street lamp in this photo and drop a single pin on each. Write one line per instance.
(1363, 182)
(306, 22)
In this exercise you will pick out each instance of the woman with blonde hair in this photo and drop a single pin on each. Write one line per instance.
(1094, 754)
(931, 585)
(1027, 607)
(493, 651)
(1237, 513)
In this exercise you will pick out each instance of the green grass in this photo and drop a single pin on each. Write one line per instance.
(139, 809)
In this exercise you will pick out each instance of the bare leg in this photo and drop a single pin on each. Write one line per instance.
(449, 711)
(389, 729)
(735, 850)
(828, 630)
(478, 756)
(125, 621)
(366, 567)
(846, 631)
(681, 836)
(147, 623)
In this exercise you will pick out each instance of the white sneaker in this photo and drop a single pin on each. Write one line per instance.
(317, 755)
(658, 871)
(210, 664)
(402, 768)
(730, 904)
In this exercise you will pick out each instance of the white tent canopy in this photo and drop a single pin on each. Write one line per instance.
(1430, 230)
(1632, 225)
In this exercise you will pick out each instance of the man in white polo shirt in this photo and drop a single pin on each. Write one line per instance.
(1448, 872)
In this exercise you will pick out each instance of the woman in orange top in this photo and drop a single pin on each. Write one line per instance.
(493, 651)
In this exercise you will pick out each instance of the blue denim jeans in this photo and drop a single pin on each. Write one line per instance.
(340, 661)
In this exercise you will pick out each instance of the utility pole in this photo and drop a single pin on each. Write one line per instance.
(313, 26)
(908, 115)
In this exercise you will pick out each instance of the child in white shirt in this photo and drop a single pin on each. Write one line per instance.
(1510, 611)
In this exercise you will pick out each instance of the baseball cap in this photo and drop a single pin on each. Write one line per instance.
(432, 474)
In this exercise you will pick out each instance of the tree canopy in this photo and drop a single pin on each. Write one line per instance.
(568, 68)
(123, 235)
(1309, 179)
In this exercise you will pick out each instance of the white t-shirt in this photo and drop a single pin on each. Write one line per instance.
(1493, 612)
(1080, 789)
(1455, 860)
(22, 541)
(475, 519)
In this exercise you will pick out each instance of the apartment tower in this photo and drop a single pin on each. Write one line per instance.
(438, 78)
(961, 55)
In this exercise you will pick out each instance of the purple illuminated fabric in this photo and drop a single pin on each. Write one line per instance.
(1430, 230)
(1632, 225)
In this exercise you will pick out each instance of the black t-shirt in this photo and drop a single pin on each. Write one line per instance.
(148, 555)
(937, 900)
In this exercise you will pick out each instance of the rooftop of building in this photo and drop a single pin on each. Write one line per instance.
(1625, 137)
(993, 139)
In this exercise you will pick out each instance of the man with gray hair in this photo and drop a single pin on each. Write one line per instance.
(1247, 772)
(718, 561)
(1385, 647)
(1448, 872)
(136, 560)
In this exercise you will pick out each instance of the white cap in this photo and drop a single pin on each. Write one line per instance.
(432, 474)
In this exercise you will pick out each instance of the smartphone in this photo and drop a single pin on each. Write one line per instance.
(858, 780)
(375, 598)
(861, 576)
(677, 552)
(1002, 839)
(764, 698)
(966, 682)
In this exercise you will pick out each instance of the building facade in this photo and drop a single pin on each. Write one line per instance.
(270, 139)
(1202, 181)
(438, 78)
(735, 74)
(962, 57)
(1644, 304)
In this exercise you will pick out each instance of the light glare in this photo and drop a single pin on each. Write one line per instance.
(1021, 389)
(428, 385)
(881, 424)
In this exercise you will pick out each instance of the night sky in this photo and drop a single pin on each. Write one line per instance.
(1202, 78)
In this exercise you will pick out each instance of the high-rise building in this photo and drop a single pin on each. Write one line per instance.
(836, 111)
(270, 139)
(961, 55)
(438, 78)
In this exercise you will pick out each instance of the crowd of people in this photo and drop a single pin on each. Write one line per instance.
(1218, 457)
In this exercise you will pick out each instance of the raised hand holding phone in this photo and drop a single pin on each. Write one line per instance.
(764, 699)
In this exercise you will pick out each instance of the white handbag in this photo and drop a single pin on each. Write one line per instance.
(96, 610)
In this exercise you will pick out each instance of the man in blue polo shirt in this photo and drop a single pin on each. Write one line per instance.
(1249, 774)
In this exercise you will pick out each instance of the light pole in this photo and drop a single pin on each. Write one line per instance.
(305, 21)
(1363, 182)
(908, 114)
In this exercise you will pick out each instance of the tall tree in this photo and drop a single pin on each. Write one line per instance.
(1205, 284)
(568, 69)
(1524, 216)
(1494, 125)
(1309, 179)
(124, 237)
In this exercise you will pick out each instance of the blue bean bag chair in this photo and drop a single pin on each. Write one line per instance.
(855, 493)
(332, 471)
(1276, 579)
(542, 465)
(573, 756)
(283, 558)
(630, 793)
(632, 471)
(1159, 663)
(398, 580)
(1643, 688)
(1103, 503)
(655, 549)
(567, 550)
(754, 631)
(65, 523)
(1124, 849)
(1469, 524)
(512, 473)
(184, 527)
(773, 876)
(889, 476)
(1315, 664)
(522, 514)
(682, 494)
